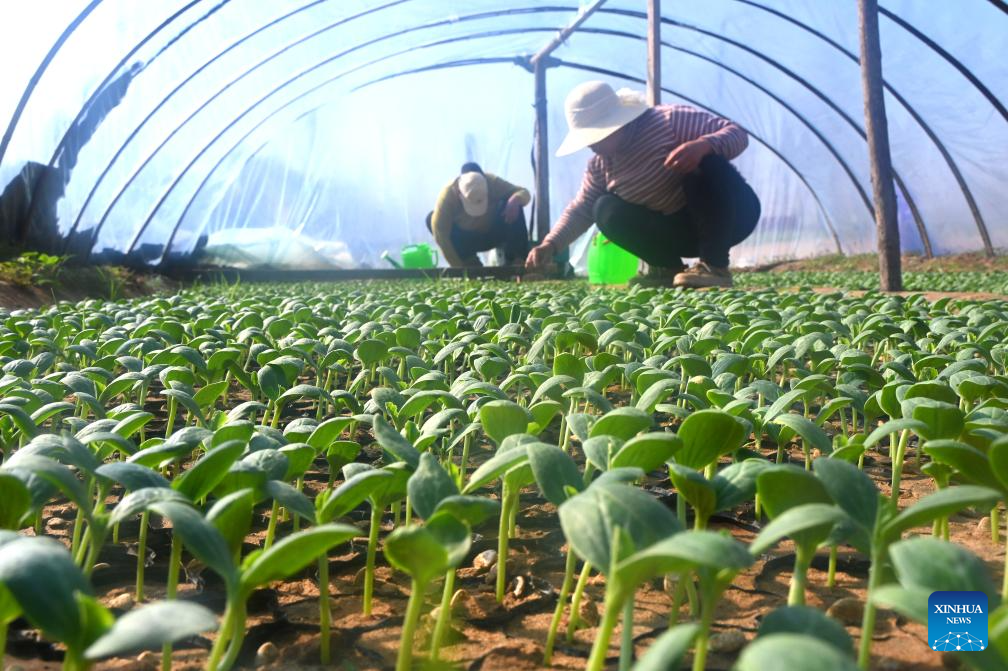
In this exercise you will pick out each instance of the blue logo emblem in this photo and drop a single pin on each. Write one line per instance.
(957, 621)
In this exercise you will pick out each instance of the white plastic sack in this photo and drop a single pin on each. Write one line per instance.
(275, 248)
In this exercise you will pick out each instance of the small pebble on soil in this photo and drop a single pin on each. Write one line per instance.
(847, 610)
(54, 523)
(122, 601)
(148, 660)
(983, 527)
(266, 654)
(484, 560)
(491, 575)
(727, 641)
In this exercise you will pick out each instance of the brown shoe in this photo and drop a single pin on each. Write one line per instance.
(657, 276)
(702, 275)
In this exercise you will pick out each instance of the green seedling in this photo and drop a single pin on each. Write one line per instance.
(396, 445)
(801, 508)
(669, 649)
(872, 526)
(558, 479)
(605, 524)
(988, 470)
(812, 436)
(189, 528)
(380, 488)
(792, 651)
(807, 621)
(716, 560)
(735, 484)
(510, 465)
(259, 568)
(39, 580)
(437, 501)
(926, 565)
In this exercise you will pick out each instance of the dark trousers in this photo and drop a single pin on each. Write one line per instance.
(512, 237)
(721, 211)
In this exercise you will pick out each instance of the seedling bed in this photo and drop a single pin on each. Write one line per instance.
(552, 415)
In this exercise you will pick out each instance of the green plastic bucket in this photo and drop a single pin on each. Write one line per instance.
(419, 256)
(608, 263)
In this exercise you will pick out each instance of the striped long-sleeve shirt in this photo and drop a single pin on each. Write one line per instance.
(636, 173)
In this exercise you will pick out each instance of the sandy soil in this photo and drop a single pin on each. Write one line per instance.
(80, 284)
(489, 636)
(974, 261)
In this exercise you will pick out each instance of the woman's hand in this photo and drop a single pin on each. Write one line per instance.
(539, 256)
(686, 157)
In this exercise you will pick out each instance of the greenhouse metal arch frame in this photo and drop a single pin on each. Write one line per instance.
(924, 236)
(777, 99)
(577, 66)
(284, 49)
(924, 39)
(918, 221)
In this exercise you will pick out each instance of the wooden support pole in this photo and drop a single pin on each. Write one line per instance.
(654, 52)
(540, 62)
(877, 129)
(566, 32)
(542, 214)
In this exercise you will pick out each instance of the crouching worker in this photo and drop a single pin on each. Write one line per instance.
(477, 212)
(660, 185)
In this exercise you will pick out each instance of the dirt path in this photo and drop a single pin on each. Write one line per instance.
(79, 284)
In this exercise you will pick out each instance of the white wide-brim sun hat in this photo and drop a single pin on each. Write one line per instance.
(595, 111)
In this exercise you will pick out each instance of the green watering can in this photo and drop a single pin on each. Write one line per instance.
(414, 256)
(608, 263)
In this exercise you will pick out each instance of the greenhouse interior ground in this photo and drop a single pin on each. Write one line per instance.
(699, 361)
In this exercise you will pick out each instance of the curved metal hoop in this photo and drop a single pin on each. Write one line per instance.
(164, 100)
(245, 73)
(61, 145)
(146, 223)
(924, 237)
(911, 203)
(911, 110)
(37, 77)
(923, 38)
(470, 62)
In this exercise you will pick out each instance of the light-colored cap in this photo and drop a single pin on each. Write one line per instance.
(595, 111)
(473, 189)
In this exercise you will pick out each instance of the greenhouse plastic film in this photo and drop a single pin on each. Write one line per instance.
(155, 129)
